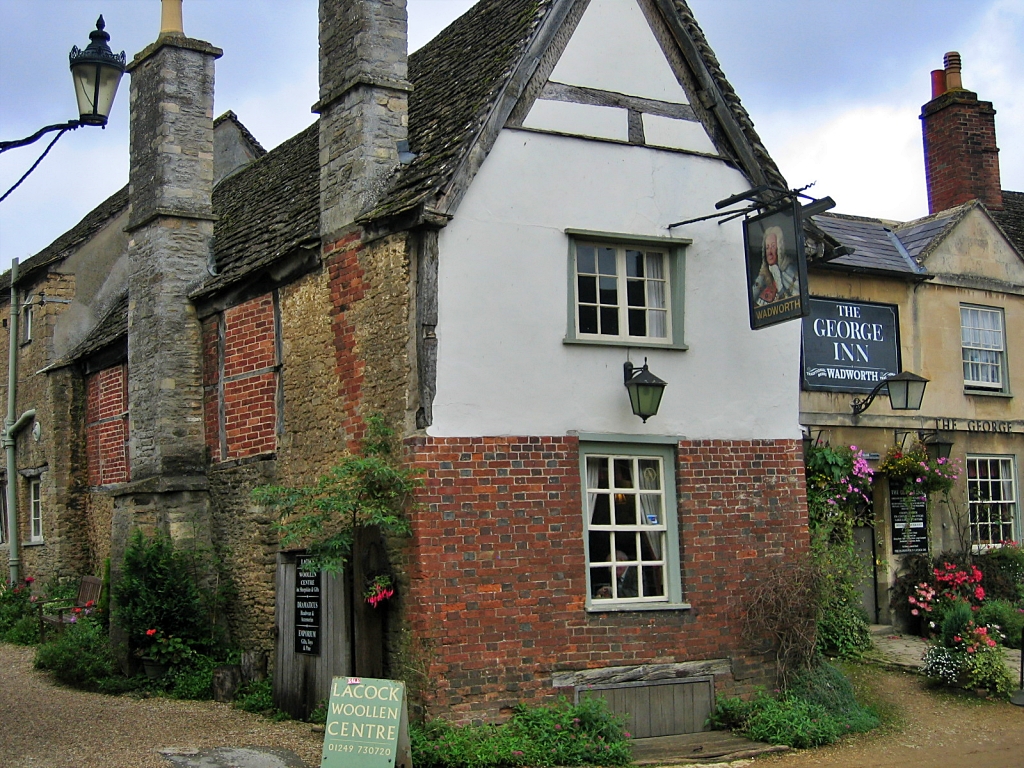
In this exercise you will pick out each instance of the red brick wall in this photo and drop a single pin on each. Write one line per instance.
(961, 157)
(497, 566)
(347, 287)
(106, 429)
(240, 380)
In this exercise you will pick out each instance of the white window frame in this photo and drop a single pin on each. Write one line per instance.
(666, 528)
(980, 342)
(26, 322)
(980, 503)
(35, 504)
(673, 266)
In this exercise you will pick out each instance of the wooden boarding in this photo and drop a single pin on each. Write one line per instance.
(56, 613)
(659, 707)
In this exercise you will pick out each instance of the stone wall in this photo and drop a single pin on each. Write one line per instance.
(497, 597)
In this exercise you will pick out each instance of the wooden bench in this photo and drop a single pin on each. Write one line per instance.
(58, 613)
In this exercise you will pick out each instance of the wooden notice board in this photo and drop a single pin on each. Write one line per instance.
(367, 725)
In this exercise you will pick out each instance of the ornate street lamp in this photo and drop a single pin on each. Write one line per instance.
(645, 390)
(906, 391)
(96, 73)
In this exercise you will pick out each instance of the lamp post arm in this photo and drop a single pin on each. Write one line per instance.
(859, 406)
(68, 126)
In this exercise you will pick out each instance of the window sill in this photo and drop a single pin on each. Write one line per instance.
(987, 393)
(33, 543)
(631, 607)
(637, 343)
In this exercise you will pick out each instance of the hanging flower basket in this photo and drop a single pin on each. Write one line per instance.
(378, 590)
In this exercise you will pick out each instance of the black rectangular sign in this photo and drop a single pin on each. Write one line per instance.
(908, 509)
(776, 266)
(849, 346)
(307, 608)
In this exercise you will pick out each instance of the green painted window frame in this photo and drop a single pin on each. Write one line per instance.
(675, 248)
(673, 567)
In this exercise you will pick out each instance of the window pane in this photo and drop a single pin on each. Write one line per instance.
(601, 583)
(625, 509)
(587, 288)
(659, 324)
(600, 514)
(654, 581)
(588, 319)
(625, 582)
(600, 547)
(597, 472)
(585, 259)
(635, 293)
(623, 473)
(655, 268)
(634, 264)
(637, 322)
(625, 546)
(609, 291)
(606, 261)
(656, 294)
(610, 321)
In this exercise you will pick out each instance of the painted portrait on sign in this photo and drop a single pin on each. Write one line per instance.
(776, 269)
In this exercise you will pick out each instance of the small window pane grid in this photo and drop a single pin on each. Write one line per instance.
(621, 292)
(981, 334)
(626, 528)
(992, 497)
(36, 510)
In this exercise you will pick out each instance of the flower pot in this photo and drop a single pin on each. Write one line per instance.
(154, 669)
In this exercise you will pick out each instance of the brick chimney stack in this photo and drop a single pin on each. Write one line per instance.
(961, 157)
(363, 104)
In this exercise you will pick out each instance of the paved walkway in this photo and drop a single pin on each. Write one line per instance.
(905, 651)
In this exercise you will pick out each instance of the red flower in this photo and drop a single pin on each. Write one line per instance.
(150, 632)
(90, 604)
(29, 579)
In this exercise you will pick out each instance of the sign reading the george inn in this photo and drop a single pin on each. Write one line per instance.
(849, 346)
(367, 725)
(307, 608)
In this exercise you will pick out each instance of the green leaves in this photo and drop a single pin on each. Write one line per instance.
(364, 490)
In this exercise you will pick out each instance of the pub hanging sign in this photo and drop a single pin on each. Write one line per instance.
(776, 266)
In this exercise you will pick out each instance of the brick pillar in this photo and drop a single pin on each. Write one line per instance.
(169, 250)
(363, 104)
(961, 157)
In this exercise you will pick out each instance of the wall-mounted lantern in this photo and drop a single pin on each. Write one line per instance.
(938, 444)
(645, 390)
(906, 391)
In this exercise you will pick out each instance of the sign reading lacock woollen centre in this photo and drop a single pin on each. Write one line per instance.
(849, 346)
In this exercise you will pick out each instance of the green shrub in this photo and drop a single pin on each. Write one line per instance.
(1007, 616)
(817, 708)
(1004, 572)
(792, 721)
(24, 632)
(843, 628)
(193, 679)
(79, 656)
(563, 734)
(15, 604)
(954, 623)
(258, 697)
(159, 590)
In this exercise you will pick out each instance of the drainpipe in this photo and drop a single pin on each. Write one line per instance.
(12, 427)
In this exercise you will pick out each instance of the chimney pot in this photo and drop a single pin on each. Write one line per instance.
(951, 61)
(938, 82)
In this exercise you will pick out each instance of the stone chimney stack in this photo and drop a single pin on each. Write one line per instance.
(363, 104)
(960, 153)
(170, 246)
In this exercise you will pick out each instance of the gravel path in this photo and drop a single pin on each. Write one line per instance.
(46, 726)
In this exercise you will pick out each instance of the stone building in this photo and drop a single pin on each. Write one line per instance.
(943, 297)
(470, 241)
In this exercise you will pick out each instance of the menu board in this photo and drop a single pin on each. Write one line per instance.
(307, 607)
(908, 509)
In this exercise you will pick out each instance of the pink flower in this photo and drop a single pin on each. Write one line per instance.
(150, 632)
(914, 612)
(29, 580)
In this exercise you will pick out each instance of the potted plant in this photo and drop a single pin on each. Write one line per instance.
(162, 653)
(378, 589)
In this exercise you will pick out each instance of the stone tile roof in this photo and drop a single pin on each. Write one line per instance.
(111, 328)
(457, 78)
(877, 246)
(1011, 218)
(62, 247)
(266, 209)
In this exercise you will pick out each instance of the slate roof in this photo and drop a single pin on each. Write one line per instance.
(62, 247)
(878, 245)
(1011, 218)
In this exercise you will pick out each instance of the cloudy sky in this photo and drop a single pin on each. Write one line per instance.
(834, 88)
